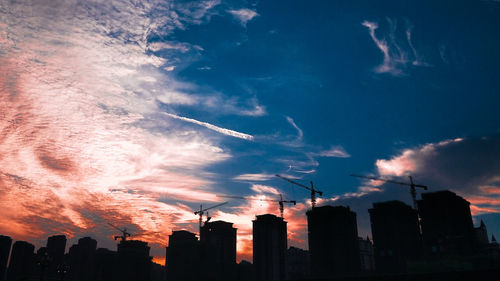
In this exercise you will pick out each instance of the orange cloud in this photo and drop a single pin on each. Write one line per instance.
(475, 210)
(488, 189)
(159, 260)
(482, 200)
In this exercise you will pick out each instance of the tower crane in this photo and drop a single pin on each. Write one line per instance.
(411, 184)
(124, 232)
(202, 211)
(313, 191)
(281, 202)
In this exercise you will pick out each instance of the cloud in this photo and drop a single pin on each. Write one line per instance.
(243, 15)
(259, 188)
(165, 45)
(397, 57)
(177, 98)
(467, 166)
(82, 137)
(254, 177)
(410, 160)
(300, 133)
(213, 127)
(334, 151)
(233, 105)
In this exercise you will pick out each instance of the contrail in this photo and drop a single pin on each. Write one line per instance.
(213, 127)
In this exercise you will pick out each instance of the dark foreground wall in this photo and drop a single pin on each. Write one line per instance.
(482, 275)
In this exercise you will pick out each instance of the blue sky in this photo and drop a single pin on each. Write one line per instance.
(316, 62)
(318, 65)
(136, 112)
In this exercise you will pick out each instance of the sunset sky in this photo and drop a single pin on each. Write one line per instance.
(136, 112)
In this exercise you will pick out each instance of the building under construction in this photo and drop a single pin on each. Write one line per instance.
(269, 247)
(396, 234)
(218, 251)
(333, 241)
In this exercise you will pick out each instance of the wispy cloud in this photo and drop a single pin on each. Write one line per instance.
(300, 133)
(221, 130)
(395, 51)
(335, 151)
(259, 188)
(254, 177)
(243, 15)
(82, 136)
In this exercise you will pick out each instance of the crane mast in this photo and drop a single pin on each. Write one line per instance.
(124, 232)
(313, 191)
(202, 211)
(411, 184)
(281, 202)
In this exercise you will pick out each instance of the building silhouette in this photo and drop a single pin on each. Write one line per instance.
(56, 247)
(396, 236)
(366, 255)
(447, 226)
(333, 241)
(104, 264)
(245, 271)
(183, 257)
(22, 261)
(5, 244)
(157, 272)
(82, 260)
(297, 264)
(132, 262)
(269, 247)
(481, 235)
(218, 246)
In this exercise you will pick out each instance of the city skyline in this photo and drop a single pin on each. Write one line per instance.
(443, 242)
(136, 112)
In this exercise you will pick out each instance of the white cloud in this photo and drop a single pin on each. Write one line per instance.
(408, 161)
(300, 133)
(335, 151)
(259, 188)
(175, 97)
(396, 57)
(254, 177)
(224, 131)
(78, 99)
(243, 15)
(157, 46)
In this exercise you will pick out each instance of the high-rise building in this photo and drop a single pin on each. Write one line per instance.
(366, 255)
(5, 243)
(333, 241)
(218, 245)
(447, 227)
(104, 264)
(297, 264)
(22, 261)
(82, 259)
(132, 261)
(183, 257)
(245, 271)
(396, 236)
(56, 246)
(157, 272)
(269, 247)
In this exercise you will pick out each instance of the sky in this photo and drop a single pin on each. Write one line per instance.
(135, 113)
